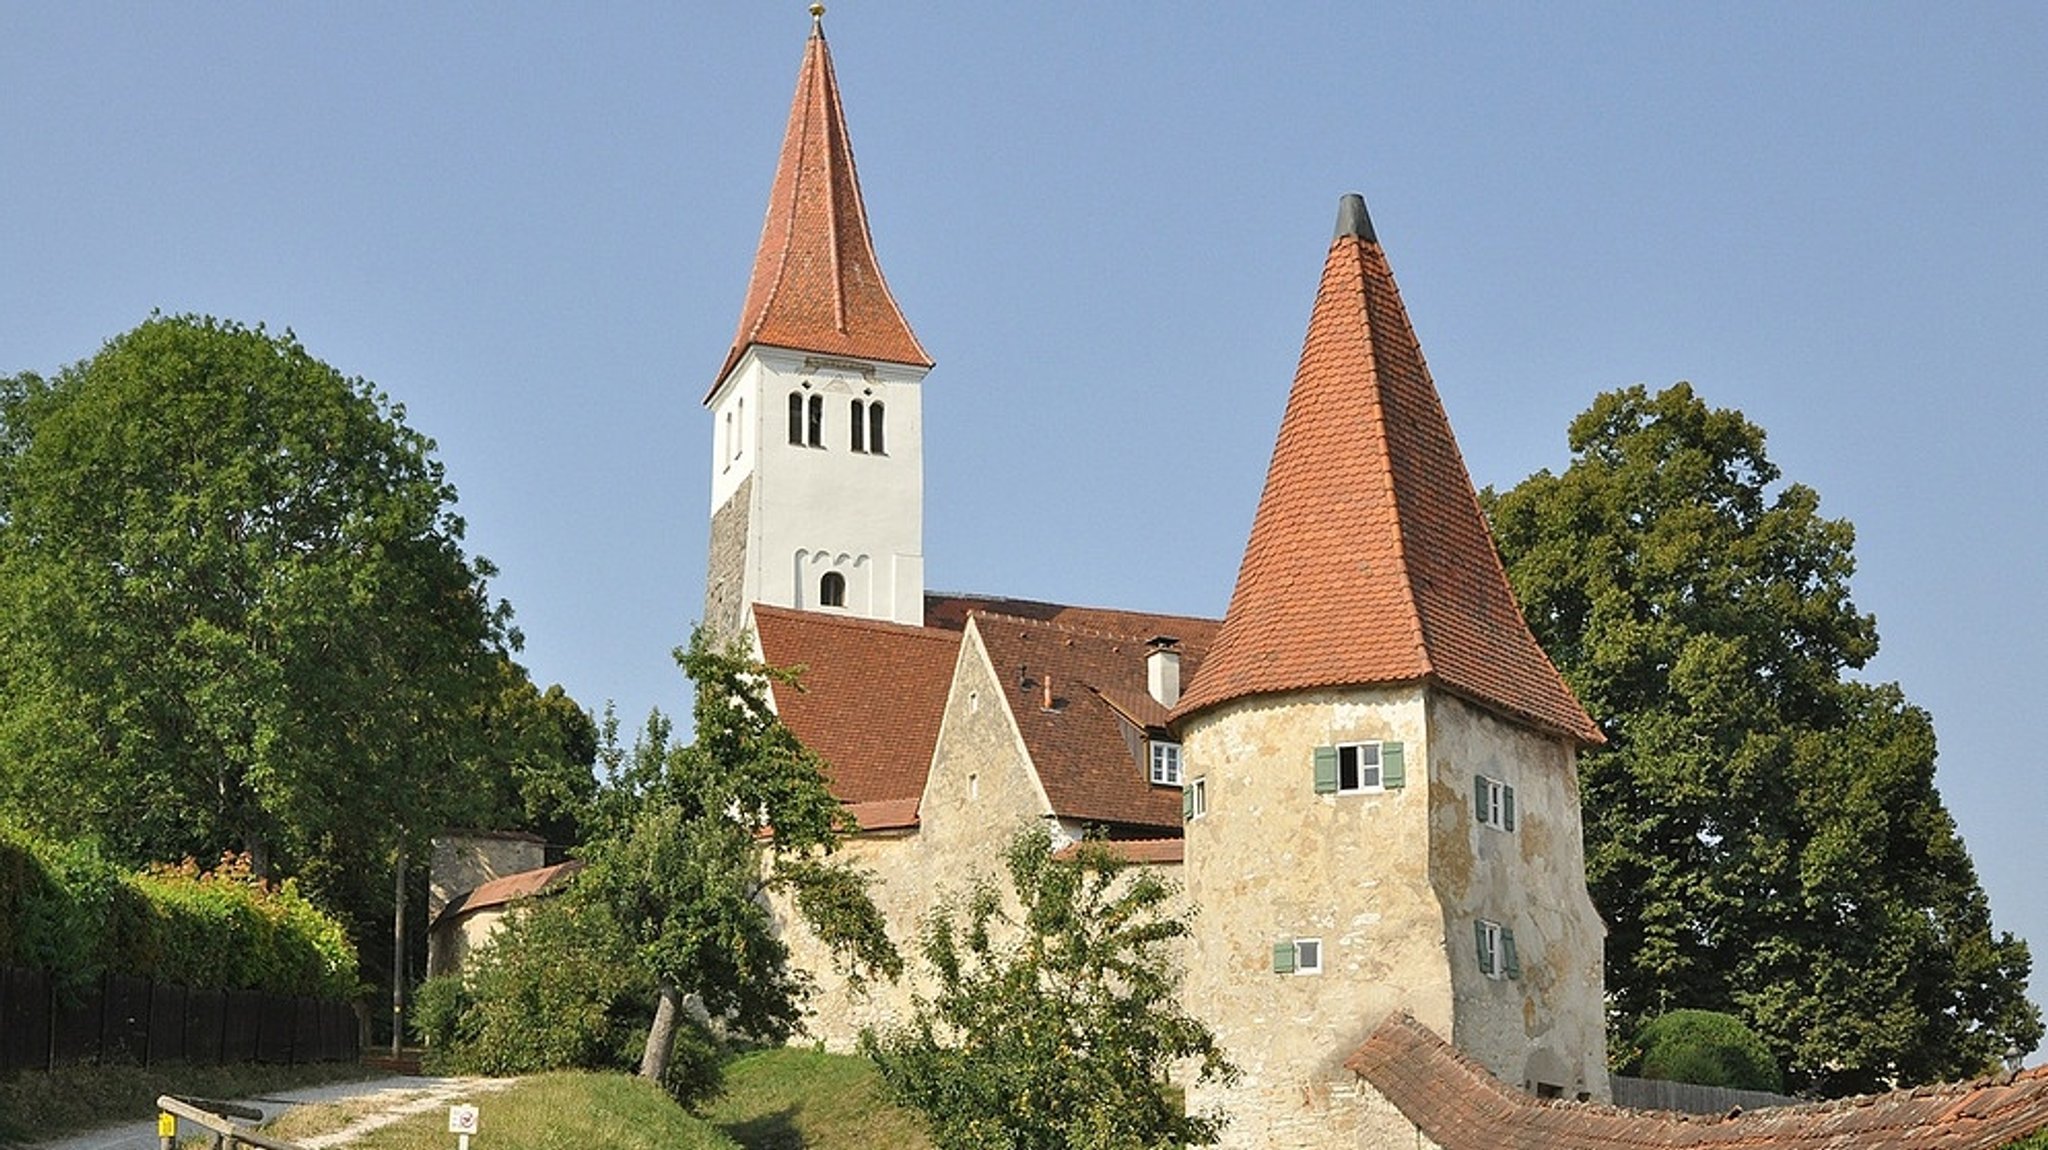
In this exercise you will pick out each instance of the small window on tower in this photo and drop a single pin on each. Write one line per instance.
(832, 590)
(817, 421)
(875, 427)
(858, 426)
(796, 418)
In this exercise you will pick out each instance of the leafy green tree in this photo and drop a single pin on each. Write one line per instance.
(701, 835)
(235, 611)
(1708, 1048)
(1763, 834)
(1054, 1026)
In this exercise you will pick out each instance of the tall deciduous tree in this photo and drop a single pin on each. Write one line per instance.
(1763, 834)
(702, 835)
(1056, 1012)
(234, 609)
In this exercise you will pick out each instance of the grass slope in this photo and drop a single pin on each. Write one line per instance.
(774, 1100)
(790, 1099)
(567, 1110)
(36, 1107)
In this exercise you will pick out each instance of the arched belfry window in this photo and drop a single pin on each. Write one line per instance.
(874, 427)
(832, 590)
(858, 425)
(796, 418)
(817, 421)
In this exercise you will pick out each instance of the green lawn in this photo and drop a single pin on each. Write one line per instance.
(789, 1099)
(774, 1100)
(75, 1098)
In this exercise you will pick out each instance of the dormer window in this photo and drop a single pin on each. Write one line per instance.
(1165, 763)
(832, 590)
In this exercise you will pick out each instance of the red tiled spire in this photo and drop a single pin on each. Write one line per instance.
(1370, 561)
(816, 285)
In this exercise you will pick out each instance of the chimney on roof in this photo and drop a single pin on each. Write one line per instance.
(1162, 670)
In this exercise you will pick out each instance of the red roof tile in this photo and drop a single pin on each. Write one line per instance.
(1369, 560)
(869, 699)
(1460, 1106)
(510, 888)
(884, 814)
(1155, 851)
(1077, 745)
(816, 285)
(947, 609)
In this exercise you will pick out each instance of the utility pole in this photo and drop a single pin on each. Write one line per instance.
(398, 953)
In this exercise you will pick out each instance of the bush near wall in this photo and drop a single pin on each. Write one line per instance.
(65, 909)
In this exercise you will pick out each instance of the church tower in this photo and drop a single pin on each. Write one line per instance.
(817, 472)
(1384, 809)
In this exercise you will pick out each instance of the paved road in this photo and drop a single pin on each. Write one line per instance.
(401, 1091)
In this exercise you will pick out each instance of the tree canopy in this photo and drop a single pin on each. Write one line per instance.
(694, 840)
(1055, 1015)
(1763, 833)
(235, 611)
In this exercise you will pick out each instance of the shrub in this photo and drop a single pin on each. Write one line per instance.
(1708, 1048)
(66, 909)
(556, 989)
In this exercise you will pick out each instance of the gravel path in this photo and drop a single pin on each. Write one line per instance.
(395, 1099)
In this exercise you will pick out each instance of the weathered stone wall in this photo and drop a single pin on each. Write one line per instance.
(725, 579)
(1548, 1026)
(1273, 861)
(459, 863)
(981, 788)
(838, 1009)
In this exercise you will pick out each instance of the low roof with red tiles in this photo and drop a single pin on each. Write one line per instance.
(1157, 852)
(509, 888)
(868, 701)
(817, 286)
(1370, 561)
(1090, 665)
(1460, 1106)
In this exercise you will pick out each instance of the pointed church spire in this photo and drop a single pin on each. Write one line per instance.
(1370, 561)
(816, 285)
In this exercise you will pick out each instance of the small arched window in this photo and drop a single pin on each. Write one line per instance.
(817, 422)
(796, 418)
(858, 424)
(832, 590)
(875, 427)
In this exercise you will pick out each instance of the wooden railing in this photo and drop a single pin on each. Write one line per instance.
(217, 1117)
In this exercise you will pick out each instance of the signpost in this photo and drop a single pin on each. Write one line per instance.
(462, 1122)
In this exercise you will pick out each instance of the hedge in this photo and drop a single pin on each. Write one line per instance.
(65, 909)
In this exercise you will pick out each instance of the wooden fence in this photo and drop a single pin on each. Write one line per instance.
(1687, 1098)
(142, 1021)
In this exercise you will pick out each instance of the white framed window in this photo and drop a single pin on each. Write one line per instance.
(1298, 956)
(1493, 803)
(1165, 763)
(1359, 768)
(1195, 799)
(1495, 945)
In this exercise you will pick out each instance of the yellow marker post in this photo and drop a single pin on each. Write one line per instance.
(166, 1129)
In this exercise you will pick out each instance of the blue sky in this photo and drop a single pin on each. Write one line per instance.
(531, 224)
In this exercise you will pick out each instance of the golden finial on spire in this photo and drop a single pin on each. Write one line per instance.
(818, 15)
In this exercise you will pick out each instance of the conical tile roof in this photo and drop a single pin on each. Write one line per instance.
(1370, 561)
(817, 286)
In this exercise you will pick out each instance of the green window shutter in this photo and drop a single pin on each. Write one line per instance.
(1393, 767)
(1283, 957)
(1510, 960)
(1479, 798)
(1326, 770)
(1507, 803)
(1480, 947)
(1187, 802)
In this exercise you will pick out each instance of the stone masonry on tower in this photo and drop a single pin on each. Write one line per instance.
(1368, 784)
